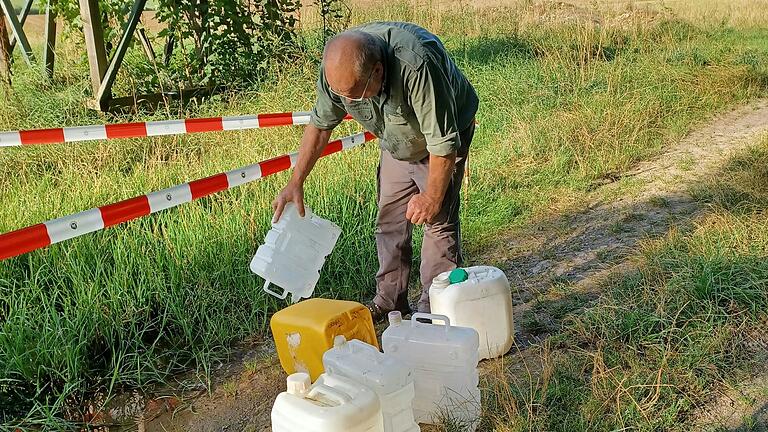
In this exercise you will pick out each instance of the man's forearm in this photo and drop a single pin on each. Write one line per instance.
(313, 143)
(440, 172)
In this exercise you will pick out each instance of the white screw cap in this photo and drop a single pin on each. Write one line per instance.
(339, 341)
(395, 318)
(298, 383)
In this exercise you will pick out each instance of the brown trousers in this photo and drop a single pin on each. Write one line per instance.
(398, 181)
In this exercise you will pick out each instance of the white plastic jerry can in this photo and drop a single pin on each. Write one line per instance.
(444, 361)
(293, 253)
(480, 298)
(390, 378)
(331, 404)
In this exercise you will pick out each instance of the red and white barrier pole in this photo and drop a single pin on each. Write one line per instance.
(64, 228)
(151, 128)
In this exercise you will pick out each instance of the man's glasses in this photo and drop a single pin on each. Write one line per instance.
(362, 97)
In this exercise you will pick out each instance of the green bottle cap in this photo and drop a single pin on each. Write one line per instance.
(458, 275)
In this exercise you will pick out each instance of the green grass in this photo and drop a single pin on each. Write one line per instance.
(560, 107)
(658, 344)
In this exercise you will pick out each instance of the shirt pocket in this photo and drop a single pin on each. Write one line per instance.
(361, 111)
(402, 133)
(398, 115)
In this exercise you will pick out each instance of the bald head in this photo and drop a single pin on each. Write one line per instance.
(348, 60)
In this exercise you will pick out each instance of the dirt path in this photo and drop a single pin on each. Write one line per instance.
(584, 246)
(573, 250)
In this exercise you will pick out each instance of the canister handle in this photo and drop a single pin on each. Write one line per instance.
(269, 291)
(290, 206)
(432, 317)
(332, 393)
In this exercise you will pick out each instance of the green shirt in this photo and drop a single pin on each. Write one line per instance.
(425, 101)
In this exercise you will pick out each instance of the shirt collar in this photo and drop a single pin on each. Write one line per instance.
(387, 54)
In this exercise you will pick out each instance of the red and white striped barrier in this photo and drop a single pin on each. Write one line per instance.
(151, 128)
(64, 228)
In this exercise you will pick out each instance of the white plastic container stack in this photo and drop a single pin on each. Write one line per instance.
(331, 404)
(390, 378)
(480, 298)
(444, 361)
(293, 253)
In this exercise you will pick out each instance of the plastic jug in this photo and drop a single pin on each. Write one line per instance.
(305, 331)
(293, 253)
(444, 361)
(390, 378)
(332, 404)
(480, 298)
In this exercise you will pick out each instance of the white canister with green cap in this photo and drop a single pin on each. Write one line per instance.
(480, 298)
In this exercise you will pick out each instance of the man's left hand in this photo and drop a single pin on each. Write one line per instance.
(422, 209)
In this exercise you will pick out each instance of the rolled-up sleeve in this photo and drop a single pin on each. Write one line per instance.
(434, 105)
(328, 111)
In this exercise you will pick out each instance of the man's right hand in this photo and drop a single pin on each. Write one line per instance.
(292, 192)
(313, 142)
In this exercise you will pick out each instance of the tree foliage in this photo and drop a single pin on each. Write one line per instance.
(334, 14)
(230, 41)
(214, 42)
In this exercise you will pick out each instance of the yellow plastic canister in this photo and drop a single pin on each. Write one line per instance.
(303, 332)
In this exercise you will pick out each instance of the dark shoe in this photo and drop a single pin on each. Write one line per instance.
(379, 314)
(403, 306)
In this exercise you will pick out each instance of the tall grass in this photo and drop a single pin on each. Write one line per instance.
(562, 103)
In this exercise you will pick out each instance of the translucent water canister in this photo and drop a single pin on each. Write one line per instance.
(293, 253)
(389, 377)
(480, 298)
(331, 404)
(303, 332)
(444, 360)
